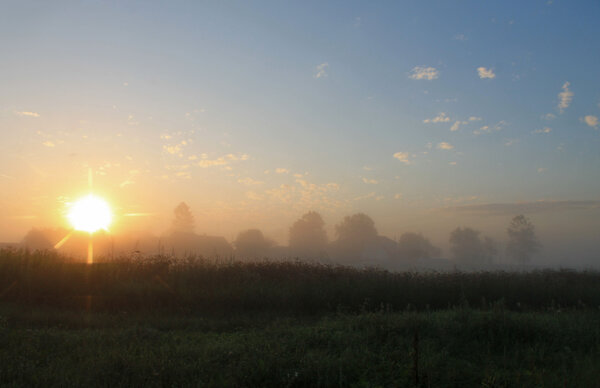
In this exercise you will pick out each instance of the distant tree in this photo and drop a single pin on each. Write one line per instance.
(308, 237)
(466, 246)
(38, 239)
(490, 249)
(413, 246)
(522, 241)
(356, 228)
(184, 220)
(252, 243)
(354, 234)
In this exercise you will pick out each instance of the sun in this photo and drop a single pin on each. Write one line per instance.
(90, 214)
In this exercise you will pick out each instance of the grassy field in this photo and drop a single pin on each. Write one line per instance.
(153, 322)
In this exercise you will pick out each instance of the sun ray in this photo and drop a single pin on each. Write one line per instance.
(64, 240)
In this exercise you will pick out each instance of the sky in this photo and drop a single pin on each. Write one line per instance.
(426, 115)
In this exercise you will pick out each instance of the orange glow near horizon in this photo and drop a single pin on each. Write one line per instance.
(90, 214)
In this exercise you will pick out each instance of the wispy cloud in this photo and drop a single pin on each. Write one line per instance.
(488, 129)
(590, 120)
(321, 70)
(485, 73)
(249, 181)
(445, 146)
(543, 130)
(440, 118)
(48, 143)
(27, 114)
(457, 124)
(505, 209)
(220, 161)
(426, 73)
(548, 116)
(370, 181)
(404, 157)
(474, 118)
(282, 171)
(565, 97)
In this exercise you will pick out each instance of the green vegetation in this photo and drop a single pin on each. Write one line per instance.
(136, 321)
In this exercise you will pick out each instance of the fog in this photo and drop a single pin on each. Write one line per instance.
(477, 241)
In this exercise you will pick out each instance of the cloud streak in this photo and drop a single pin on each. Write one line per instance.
(565, 97)
(501, 209)
(424, 73)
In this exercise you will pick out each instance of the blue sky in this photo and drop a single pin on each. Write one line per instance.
(255, 112)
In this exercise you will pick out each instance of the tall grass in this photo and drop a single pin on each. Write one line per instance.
(292, 287)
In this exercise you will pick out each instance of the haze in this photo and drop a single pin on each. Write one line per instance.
(426, 116)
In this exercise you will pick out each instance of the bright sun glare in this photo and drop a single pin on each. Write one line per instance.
(90, 214)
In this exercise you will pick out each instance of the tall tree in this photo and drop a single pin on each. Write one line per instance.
(522, 241)
(308, 237)
(184, 220)
(466, 246)
(355, 234)
(357, 228)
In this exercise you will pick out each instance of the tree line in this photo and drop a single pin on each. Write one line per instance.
(357, 240)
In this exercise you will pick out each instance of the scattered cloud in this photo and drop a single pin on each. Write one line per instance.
(398, 196)
(543, 130)
(489, 129)
(404, 157)
(485, 73)
(27, 114)
(440, 118)
(321, 70)
(370, 181)
(48, 143)
(474, 118)
(282, 171)
(221, 161)
(460, 37)
(249, 181)
(590, 120)
(366, 196)
(511, 142)
(565, 97)
(426, 73)
(457, 124)
(548, 116)
(445, 146)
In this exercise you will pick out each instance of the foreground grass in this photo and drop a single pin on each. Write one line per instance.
(460, 347)
(156, 322)
(233, 287)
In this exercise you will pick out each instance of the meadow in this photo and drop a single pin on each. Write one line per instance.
(198, 322)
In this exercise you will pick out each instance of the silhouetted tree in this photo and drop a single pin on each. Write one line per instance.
(38, 239)
(522, 241)
(308, 237)
(184, 220)
(357, 227)
(413, 246)
(252, 243)
(466, 246)
(354, 234)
